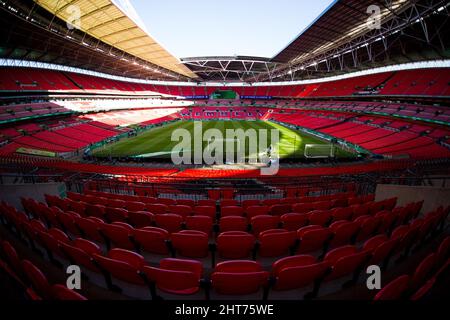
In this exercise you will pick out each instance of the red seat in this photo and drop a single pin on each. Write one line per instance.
(320, 218)
(186, 202)
(67, 222)
(190, 243)
(116, 214)
(60, 292)
(238, 278)
(339, 214)
(263, 223)
(176, 276)
(280, 209)
(381, 249)
(200, 223)
(206, 203)
(181, 210)
(443, 252)
(250, 203)
(270, 202)
(37, 279)
(276, 242)
(135, 206)
(394, 290)
(95, 210)
(368, 227)
(297, 272)
(12, 258)
(152, 240)
(232, 223)
(344, 232)
(294, 221)
(254, 211)
(123, 265)
(140, 219)
(90, 228)
(423, 271)
(169, 222)
(235, 244)
(301, 207)
(344, 261)
(116, 203)
(80, 252)
(118, 235)
(208, 211)
(167, 201)
(313, 238)
(229, 203)
(232, 211)
(157, 208)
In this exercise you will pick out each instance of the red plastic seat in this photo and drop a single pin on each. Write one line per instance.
(200, 223)
(176, 276)
(280, 209)
(276, 242)
(151, 239)
(344, 261)
(235, 244)
(170, 222)
(135, 206)
(423, 271)
(394, 290)
(229, 203)
(208, 211)
(254, 211)
(238, 278)
(320, 218)
(140, 219)
(116, 214)
(294, 221)
(443, 252)
(90, 228)
(37, 279)
(263, 223)
(297, 272)
(181, 210)
(250, 203)
(157, 208)
(270, 202)
(95, 210)
(206, 203)
(80, 252)
(344, 232)
(67, 222)
(313, 238)
(118, 235)
(60, 292)
(190, 243)
(186, 202)
(301, 207)
(233, 223)
(12, 258)
(167, 201)
(368, 227)
(231, 211)
(123, 265)
(339, 214)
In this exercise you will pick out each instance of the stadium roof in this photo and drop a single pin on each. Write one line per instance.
(105, 21)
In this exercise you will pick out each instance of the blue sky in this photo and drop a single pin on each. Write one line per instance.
(190, 28)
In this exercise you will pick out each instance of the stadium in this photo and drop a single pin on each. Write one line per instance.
(128, 173)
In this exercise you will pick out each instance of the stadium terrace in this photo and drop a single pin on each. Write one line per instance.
(319, 174)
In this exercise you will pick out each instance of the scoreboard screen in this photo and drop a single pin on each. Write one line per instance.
(224, 94)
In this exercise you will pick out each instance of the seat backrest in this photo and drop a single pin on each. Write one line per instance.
(276, 242)
(235, 244)
(152, 239)
(294, 221)
(170, 222)
(190, 243)
(231, 211)
(37, 278)
(233, 223)
(394, 290)
(60, 292)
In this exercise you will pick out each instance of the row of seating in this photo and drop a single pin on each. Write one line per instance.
(31, 279)
(408, 82)
(230, 277)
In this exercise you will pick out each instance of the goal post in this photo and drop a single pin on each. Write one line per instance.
(319, 151)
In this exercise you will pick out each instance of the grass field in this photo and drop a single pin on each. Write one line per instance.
(156, 143)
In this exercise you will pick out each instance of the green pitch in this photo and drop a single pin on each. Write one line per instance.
(156, 143)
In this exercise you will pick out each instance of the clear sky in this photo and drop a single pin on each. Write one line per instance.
(191, 28)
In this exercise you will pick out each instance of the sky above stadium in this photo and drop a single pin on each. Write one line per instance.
(227, 28)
